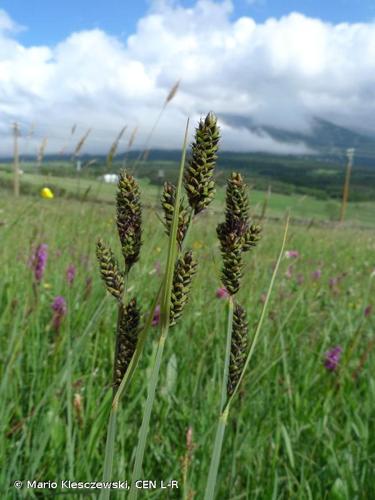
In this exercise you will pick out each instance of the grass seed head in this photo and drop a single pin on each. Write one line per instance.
(168, 201)
(231, 250)
(251, 237)
(126, 343)
(109, 270)
(198, 178)
(236, 235)
(129, 218)
(185, 269)
(239, 345)
(237, 203)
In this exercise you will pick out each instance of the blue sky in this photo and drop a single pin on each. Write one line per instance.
(256, 63)
(48, 22)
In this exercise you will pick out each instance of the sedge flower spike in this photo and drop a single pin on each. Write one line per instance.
(109, 270)
(126, 340)
(129, 219)
(236, 234)
(185, 269)
(198, 178)
(168, 201)
(238, 348)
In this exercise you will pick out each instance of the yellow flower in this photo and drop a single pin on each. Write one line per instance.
(197, 245)
(47, 286)
(46, 193)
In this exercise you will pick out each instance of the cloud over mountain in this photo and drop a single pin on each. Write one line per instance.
(280, 73)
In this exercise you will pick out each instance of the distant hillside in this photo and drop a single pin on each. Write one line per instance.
(320, 175)
(327, 140)
(331, 141)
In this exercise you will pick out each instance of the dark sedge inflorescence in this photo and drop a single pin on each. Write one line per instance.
(129, 226)
(126, 342)
(109, 269)
(198, 178)
(236, 234)
(129, 218)
(239, 346)
(184, 271)
(168, 201)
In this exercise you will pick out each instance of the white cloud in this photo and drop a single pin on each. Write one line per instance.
(281, 72)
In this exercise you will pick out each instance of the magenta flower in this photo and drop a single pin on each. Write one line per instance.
(59, 311)
(367, 311)
(39, 261)
(316, 275)
(222, 293)
(70, 274)
(156, 317)
(332, 358)
(292, 254)
(333, 282)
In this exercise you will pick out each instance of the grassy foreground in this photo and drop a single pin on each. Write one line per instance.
(297, 431)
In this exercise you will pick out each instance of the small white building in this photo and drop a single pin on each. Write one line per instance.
(110, 178)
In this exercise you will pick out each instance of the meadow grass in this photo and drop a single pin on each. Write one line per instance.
(299, 431)
(303, 207)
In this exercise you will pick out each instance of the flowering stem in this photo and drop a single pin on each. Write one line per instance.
(224, 413)
(165, 318)
(224, 387)
(111, 432)
(262, 315)
(215, 460)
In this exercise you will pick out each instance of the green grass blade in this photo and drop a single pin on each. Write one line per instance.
(215, 459)
(165, 311)
(216, 454)
(219, 437)
(111, 434)
(109, 452)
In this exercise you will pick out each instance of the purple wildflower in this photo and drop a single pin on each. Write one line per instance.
(316, 275)
(332, 358)
(367, 311)
(59, 311)
(292, 254)
(40, 261)
(333, 282)
(70, 274)
(156, 317)
(222, 293)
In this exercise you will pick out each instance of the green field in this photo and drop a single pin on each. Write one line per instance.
(306, 208)
(297, 431)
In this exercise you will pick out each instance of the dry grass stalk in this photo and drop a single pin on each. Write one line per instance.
(81, 142)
